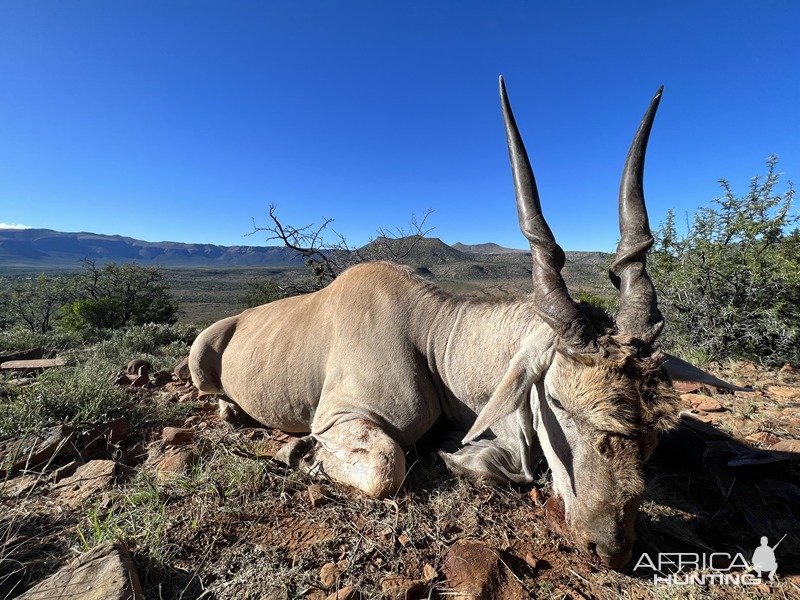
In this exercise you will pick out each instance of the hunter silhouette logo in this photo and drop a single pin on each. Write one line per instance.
(764, 558)
(716, 568)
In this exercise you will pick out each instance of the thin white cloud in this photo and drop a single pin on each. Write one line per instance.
(13, 226)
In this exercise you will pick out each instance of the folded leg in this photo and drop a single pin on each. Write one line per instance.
(355, 452)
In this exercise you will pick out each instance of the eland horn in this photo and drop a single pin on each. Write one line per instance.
(553, 302)
(638, 307)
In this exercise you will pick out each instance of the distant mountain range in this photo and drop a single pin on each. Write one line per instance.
(46, 248)
(488, 248)
(41, 249)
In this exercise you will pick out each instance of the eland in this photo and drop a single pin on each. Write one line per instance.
(368, 364)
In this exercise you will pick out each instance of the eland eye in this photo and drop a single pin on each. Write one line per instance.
(557, 403)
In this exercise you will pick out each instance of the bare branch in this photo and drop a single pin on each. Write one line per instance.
(328, 259)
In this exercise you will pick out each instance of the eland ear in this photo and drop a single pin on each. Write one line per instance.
(685, 377)
(509, 395)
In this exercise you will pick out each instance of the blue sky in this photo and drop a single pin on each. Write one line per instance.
(185, 120)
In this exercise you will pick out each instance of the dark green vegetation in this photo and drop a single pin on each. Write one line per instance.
(108, 297)
(730, 286)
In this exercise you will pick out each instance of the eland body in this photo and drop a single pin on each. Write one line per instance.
(368, 364)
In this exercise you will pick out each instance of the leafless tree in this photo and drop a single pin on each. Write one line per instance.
(328, 257)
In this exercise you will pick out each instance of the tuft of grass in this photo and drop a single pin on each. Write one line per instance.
(68, 395)
(84, 392)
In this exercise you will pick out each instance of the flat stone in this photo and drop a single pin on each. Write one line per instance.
(32, 450)
(106, 572)
(399, 587)
(787, 446)
(19, 485)
(38, 364)
(346, 593)
(475, 570)
(784, 392)
(708, 405)
(704, 418)
(765, 438)
(66, 470)
(176, 436)
(429, 573)
(693, 399)
(87, 480)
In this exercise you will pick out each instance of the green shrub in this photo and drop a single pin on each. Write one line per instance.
(609, 303)
(730, 287)
(261, 291)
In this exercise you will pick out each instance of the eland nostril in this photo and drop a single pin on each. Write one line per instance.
(615, 560)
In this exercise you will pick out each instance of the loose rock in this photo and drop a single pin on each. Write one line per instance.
(709, 405)
(176, 436)
(188, 396)
(787, 446)
(138, 366)
(346, 593)
(532, 561)
(105, 573)
(32, 366)
(141, 381)
(429, 573)
(398, 587)
(693, 399)
(784, 392)
(162, 377)
(32, 450)
(475, 571)
(765, 438)
(174, 463)
(87, 479)
(316, 496)
(181, 370)
(329, 575)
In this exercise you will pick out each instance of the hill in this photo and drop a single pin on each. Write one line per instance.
(487, 248)
(45, 248)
